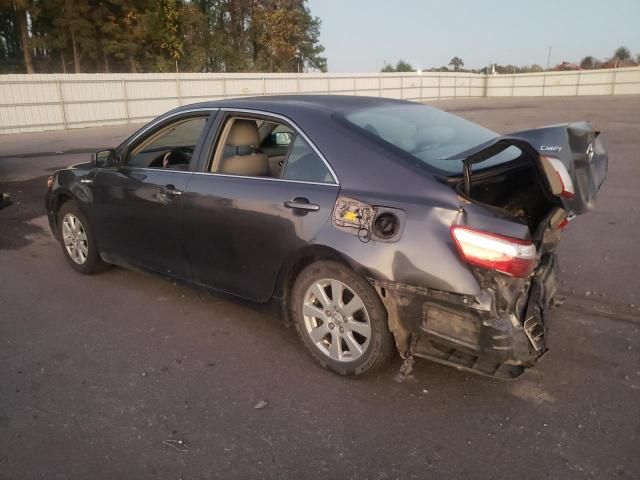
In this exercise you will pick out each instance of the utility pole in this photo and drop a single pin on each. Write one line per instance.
(549, 58)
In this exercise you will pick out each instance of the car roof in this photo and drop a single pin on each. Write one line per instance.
(297, 104)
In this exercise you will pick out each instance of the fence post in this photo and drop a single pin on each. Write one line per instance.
(486, 84)
(178, 89)
(298, 84)
(401, 86)
(126, 101)
(544, 83)
(455, 86)
(439, 78)
(379, 85)
(513, 84)
(421, 89)
(613, 82)
(264, 85)
(61, 100)
(578, 85)
(224, 86)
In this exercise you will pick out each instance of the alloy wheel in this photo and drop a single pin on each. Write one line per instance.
(336, 320)
(75, 239)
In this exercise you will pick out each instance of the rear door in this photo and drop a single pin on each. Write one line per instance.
(138, 204)
(239, 230)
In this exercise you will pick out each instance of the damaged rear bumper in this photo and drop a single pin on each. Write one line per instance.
(498, 333)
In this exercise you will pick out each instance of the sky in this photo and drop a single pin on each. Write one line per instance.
(360, 35)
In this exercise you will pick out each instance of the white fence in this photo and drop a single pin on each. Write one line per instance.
(49, 102)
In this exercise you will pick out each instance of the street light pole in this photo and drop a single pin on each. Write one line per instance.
(549, 58)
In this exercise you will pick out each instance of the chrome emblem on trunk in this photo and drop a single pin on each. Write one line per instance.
(550, 148)
(590, 152)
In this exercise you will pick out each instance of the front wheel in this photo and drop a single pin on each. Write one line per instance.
(340, 319)
(78, 244)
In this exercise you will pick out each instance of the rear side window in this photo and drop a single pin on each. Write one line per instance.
(428, 134)
(304, 164)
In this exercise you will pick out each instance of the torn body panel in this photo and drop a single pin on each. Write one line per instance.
(498, 333)
(569, 161)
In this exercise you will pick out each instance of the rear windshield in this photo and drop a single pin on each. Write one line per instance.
(428, 134)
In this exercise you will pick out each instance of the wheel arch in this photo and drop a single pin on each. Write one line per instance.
(297, 261)
(58, 198)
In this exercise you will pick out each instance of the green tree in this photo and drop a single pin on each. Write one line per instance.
(155, 35)
(161, 26)
(588, 63)
(400, 66)
(287, 36)
(14, 15)
(11, 51)
(403, 66)
(621, 54)
(72, 28)
(388, 68)
(123, 35)
(456, 63)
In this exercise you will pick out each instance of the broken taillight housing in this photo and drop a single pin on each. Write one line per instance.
(558, 176)
(511, 256)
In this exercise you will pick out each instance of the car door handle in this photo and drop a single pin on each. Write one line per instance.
(86, 180)
(169, 190)
(299, 203)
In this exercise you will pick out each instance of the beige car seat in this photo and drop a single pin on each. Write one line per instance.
(244, 138)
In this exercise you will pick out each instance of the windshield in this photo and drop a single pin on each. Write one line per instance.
(428, 134)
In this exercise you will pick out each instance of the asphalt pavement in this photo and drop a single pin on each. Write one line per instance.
(123, 375)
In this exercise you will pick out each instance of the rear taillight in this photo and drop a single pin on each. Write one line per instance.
(558, 176)
(507, 255)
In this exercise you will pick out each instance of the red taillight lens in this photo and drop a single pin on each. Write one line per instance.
(559, 178)
(507, 255)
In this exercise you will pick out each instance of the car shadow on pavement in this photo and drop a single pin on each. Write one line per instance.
(27, 203)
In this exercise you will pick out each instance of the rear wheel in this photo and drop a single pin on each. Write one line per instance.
(78, 244)
(340, 319)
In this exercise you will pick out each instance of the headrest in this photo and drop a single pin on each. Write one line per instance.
(243, 132)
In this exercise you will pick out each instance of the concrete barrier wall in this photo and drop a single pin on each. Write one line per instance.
(48, 102)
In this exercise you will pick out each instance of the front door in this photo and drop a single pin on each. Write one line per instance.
(138, 204)
(241, 225)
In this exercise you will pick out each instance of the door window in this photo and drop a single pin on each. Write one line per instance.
(171, 147)
(264, 148)
(304, 164)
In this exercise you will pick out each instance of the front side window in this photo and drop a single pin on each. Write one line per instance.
(428, 134)
(171, 147)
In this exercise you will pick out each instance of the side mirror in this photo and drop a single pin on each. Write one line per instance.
(104, 158)
(282, 138)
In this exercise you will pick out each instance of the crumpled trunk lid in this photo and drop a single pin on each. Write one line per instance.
(576, 145)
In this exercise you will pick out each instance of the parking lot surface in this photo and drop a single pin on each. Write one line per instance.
(122, 375)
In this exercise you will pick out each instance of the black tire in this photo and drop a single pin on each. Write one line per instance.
(93, 263)
(380, 346)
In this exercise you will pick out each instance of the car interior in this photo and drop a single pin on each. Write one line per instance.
(170, 147)
(261, 148)
(251, 147)
(246, 147)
